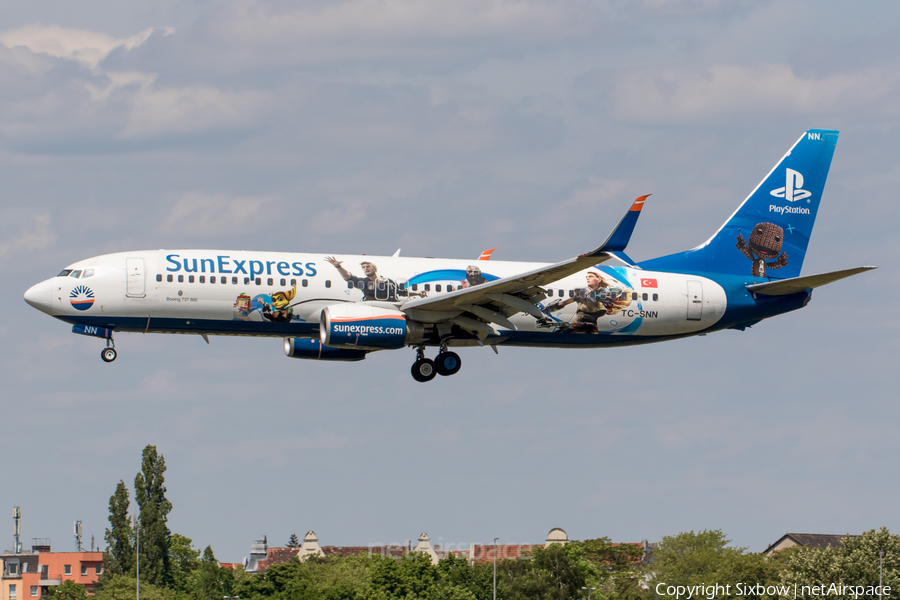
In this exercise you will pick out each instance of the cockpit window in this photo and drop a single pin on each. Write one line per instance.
(75, 274)
(87, 273)
(64, 273)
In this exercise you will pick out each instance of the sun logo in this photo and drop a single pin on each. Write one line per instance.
(82, 298)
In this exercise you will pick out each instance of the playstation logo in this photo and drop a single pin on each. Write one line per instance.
(792, 187)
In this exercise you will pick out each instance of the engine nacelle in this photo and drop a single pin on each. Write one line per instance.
(316, 350)
(361, 326)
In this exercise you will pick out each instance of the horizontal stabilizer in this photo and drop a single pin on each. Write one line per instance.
(801, 284)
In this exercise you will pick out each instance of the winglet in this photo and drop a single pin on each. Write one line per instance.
(618, 239)
(486, 255)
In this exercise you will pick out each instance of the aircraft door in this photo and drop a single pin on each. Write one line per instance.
(695, 300)
(135, 284)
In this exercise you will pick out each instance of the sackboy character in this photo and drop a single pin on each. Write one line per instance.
(765, 242)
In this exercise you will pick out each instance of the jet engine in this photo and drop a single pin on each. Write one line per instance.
(316, 350)
(365, 327)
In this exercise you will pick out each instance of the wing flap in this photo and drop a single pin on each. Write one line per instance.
(800, 284)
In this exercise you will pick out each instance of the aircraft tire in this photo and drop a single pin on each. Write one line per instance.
(447, 363)
(423, 370)
(108, 355)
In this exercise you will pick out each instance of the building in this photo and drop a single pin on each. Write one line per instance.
(810, 540)
(262, 557)
(27, 575)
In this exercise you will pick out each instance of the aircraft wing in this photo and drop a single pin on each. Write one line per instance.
(801, 284)
(496, 300)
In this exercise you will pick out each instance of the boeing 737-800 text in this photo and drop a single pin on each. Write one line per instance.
(343, 307)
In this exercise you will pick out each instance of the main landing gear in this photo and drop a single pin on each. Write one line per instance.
(445, 363)
(109, 353)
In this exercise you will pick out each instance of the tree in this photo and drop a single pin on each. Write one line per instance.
(209, 581)
(705, 558)
(119, 556)
(122, 587)
(855, 562)
(69, 590)
(183, 560)
(294, 541)
(554, 573)
(150, 496)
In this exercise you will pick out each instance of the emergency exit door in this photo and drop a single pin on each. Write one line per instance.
(695, 300)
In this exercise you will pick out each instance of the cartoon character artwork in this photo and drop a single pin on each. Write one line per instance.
(765, 243)
(598, 299)
(275, 308)
(280, 310)
(473, 277)
(242, 308)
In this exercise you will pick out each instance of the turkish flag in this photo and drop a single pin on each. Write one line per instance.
(648, 283)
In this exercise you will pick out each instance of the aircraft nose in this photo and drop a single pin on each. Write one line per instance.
(39, 295)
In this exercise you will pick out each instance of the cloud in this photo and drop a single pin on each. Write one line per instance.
(158, 112)
(210, 215)
(318, 32)
(721, 90)
(38, 237)
(86, 47)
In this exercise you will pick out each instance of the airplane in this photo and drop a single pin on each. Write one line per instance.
(341, 307)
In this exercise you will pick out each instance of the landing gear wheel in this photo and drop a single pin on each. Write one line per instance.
(423, 370)
(447, 363)
(108, 354)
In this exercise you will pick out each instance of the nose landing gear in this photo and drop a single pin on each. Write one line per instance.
(446, 363)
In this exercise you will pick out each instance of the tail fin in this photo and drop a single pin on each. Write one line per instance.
(768, 234)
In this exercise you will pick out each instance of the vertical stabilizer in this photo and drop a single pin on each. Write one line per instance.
(768, 234)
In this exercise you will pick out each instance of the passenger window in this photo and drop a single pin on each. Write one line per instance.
(655, 297)
(212, 278)
(634, 295)
(361, 285)
(234, 281)
(190, 279)
(562, 293)
(170, 278)
(259, 281)
(181, 279)
(449, 288)
(349, 285)
(203, 279)
(270, 281)
(401, 285)
(427, 287)
(75, 274)
(64, 273)
(246, 281)
(293, 283)
(571, 293)
(437, 287)
(284, 283)
(328, 283)
(644, 296)
(87, 273)
(415, 287)
(159, 277)
(304, 283)
(381, 285)
(549, 293)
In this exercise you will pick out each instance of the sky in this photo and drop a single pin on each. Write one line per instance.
(444, 128)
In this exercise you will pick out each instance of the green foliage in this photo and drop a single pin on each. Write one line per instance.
(706, 558)
(210, 581)
(554, 573)
(855, 563)
(69, 590)
(122, 587)
(150, 496)
(619, 568)
(119, 556)
(294, 541)
(183, 560)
